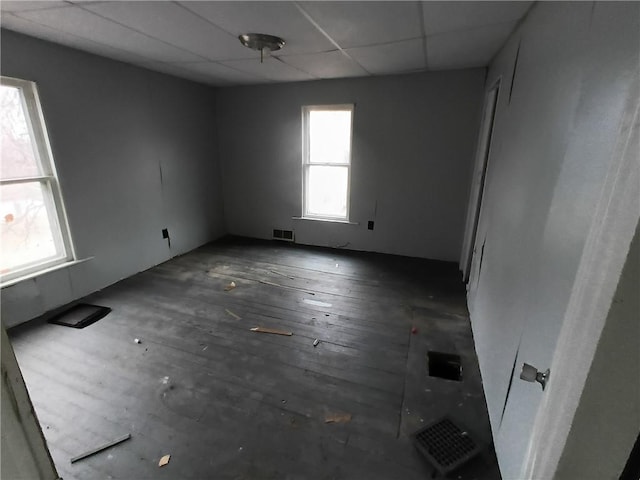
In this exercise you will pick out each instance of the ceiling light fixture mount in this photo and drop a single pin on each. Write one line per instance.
(262, 42)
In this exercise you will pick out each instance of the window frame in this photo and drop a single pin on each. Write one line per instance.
(48, 180)
(306, 161)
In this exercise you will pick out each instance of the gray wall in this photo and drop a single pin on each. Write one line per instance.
(413, 144)
(576, 73)
(607, 420)
(112, 128)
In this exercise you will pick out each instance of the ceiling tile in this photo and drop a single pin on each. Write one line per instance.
(198, 40)
(354, 24)
(271, 69)
(282, 19)
(398, 57)
(16, 6)
(27, 27)
(450, 16)
(326, 64)
(475, 48)
(82, 23)
(175, 25)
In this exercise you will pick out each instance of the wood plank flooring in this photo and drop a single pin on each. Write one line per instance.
(229, 403)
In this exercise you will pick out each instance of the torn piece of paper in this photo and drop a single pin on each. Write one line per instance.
(231, 286)
(164, 460)
(237, 317)
(337, 418)
(271, 330)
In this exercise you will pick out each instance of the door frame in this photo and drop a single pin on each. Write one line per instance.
(27, 447)
(476, 195)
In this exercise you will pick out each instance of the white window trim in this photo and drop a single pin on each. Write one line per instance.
(49, 178)
(306, 163)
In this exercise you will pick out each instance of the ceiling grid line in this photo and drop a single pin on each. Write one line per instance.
(285, 54)
(262, 77)
(128, 52)
(45, 6)
(181, 5)
(323, 32)
(382, 44)
(177, 64)
(324, 40)
(219, 62)
(234, 36)
(282, 60)
(81, 7)
(49, 27)
(472, 29)
(185, 65)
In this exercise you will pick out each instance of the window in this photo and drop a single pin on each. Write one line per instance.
(34, 234)
(326, 161)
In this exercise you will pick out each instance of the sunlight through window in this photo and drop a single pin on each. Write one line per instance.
(31, 218)
(327, 161)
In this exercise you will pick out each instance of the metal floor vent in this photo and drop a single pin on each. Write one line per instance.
(286, 235)
(445, 445)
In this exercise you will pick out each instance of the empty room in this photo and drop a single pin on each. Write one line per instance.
(320, 240)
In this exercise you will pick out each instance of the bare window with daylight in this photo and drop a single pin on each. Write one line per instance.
(34, 235)
(327, 161)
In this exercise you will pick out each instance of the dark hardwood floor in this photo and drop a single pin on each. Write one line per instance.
(229, 403)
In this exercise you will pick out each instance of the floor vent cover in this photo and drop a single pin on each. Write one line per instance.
(445, 445)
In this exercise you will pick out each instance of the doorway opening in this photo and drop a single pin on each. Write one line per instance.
(479, 177)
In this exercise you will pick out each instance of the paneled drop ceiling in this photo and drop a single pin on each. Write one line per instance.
(199, 40)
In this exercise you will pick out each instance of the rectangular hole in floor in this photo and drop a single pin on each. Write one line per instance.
(445, 365)
(80, 315)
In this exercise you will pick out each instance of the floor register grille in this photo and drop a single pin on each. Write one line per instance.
(445, 445)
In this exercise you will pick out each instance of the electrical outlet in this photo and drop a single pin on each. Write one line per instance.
(165, 233)
(370, 224)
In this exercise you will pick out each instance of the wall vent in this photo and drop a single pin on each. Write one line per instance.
(286, 235)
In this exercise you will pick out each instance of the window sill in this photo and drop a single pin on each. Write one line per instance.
(329, 220)
(33, 275)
